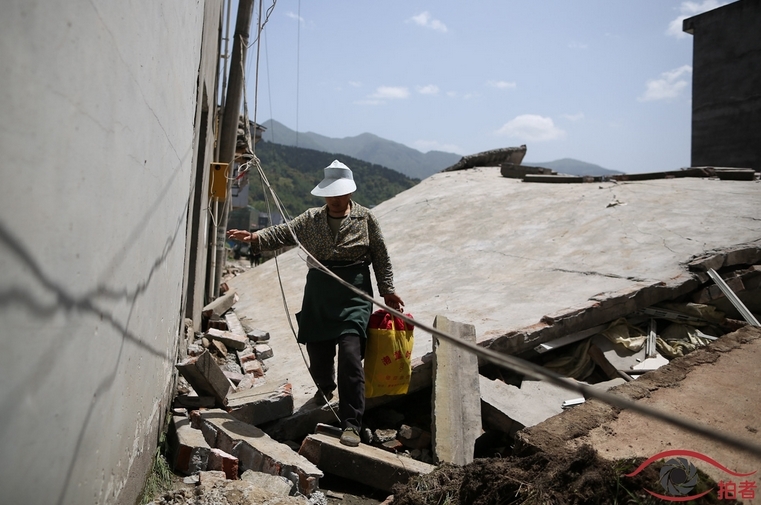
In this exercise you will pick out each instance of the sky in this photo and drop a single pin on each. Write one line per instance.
(602, 81)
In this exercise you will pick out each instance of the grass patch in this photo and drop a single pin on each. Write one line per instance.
(160, 478)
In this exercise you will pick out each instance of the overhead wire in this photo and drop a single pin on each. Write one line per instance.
(513, 363)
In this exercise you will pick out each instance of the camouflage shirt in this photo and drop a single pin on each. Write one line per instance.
(359, 239)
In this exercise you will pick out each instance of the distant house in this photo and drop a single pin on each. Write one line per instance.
(726, 85)
(272, 219)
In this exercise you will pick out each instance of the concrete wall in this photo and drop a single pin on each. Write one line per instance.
(98, 106)
(726, 86)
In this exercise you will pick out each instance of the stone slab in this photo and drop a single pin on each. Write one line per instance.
(456, 405)
(535, 249)
(233, 323)
(558, 179)
(275, 484)
(261, 404)
(189, 448)
(528, 405)
(365, 464)
(220, 305)
(256, 451)
(205, 376)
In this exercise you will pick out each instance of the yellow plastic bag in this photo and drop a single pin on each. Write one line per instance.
(388, 355)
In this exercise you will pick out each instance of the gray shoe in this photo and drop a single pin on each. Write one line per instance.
(350, 437)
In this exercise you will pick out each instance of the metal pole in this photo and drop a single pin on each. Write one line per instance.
(732, 297)
(228, 134)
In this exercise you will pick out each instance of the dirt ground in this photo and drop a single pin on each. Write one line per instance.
(577, 476)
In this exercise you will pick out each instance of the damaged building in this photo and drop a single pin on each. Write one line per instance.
(116, 332)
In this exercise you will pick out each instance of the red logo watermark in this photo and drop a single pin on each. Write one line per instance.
(678, 477)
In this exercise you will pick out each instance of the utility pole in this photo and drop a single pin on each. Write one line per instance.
(228, 134)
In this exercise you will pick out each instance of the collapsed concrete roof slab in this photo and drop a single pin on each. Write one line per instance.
(703, 386)
(513, 258)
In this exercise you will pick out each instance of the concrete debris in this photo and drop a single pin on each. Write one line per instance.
(254, 449)
(220, 305)
(734, 174)
(261, 404)
(234, 325)
(191, 452)
(509, 408)
(414, 437)
(603, 342)
(227, 463)
(207, 379)
(365, 464)
(228, 338)
(492, 158)
(456, 404)
(211, 488)
(380, 436)
(559, 179)
(258, 335)
(263, 351)
(275, 484)
(514, 171)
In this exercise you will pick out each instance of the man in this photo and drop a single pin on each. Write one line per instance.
(346, 238)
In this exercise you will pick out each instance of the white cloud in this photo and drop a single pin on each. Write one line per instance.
(390, 92)
(295, 16)
(355, 84)
(687, 10)
(433, 145)
(574, 117)
(531, 127)
(669, 85)
(501, 84)
(431, 89)
(424, 19)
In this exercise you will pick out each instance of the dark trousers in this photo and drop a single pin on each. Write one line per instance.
(351, 374)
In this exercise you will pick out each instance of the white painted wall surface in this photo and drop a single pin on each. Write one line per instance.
(97, 108)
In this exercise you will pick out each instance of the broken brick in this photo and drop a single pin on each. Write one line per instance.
(230, 339)
(220, 460)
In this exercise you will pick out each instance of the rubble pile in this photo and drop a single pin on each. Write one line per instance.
(230, 426)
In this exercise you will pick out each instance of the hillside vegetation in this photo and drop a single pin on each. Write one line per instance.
(293, 172)
(365, 146)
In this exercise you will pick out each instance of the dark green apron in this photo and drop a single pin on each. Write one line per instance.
(329, 309)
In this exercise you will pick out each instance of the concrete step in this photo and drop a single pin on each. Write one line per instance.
(364, 464)
(261, 404)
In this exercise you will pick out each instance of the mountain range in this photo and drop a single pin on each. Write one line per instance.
(396, 156)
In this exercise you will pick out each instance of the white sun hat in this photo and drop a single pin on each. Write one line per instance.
(338, 181)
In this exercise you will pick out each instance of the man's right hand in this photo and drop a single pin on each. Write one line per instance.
(242, 235)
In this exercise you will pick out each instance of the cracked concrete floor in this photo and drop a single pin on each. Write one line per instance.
(500, 254)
